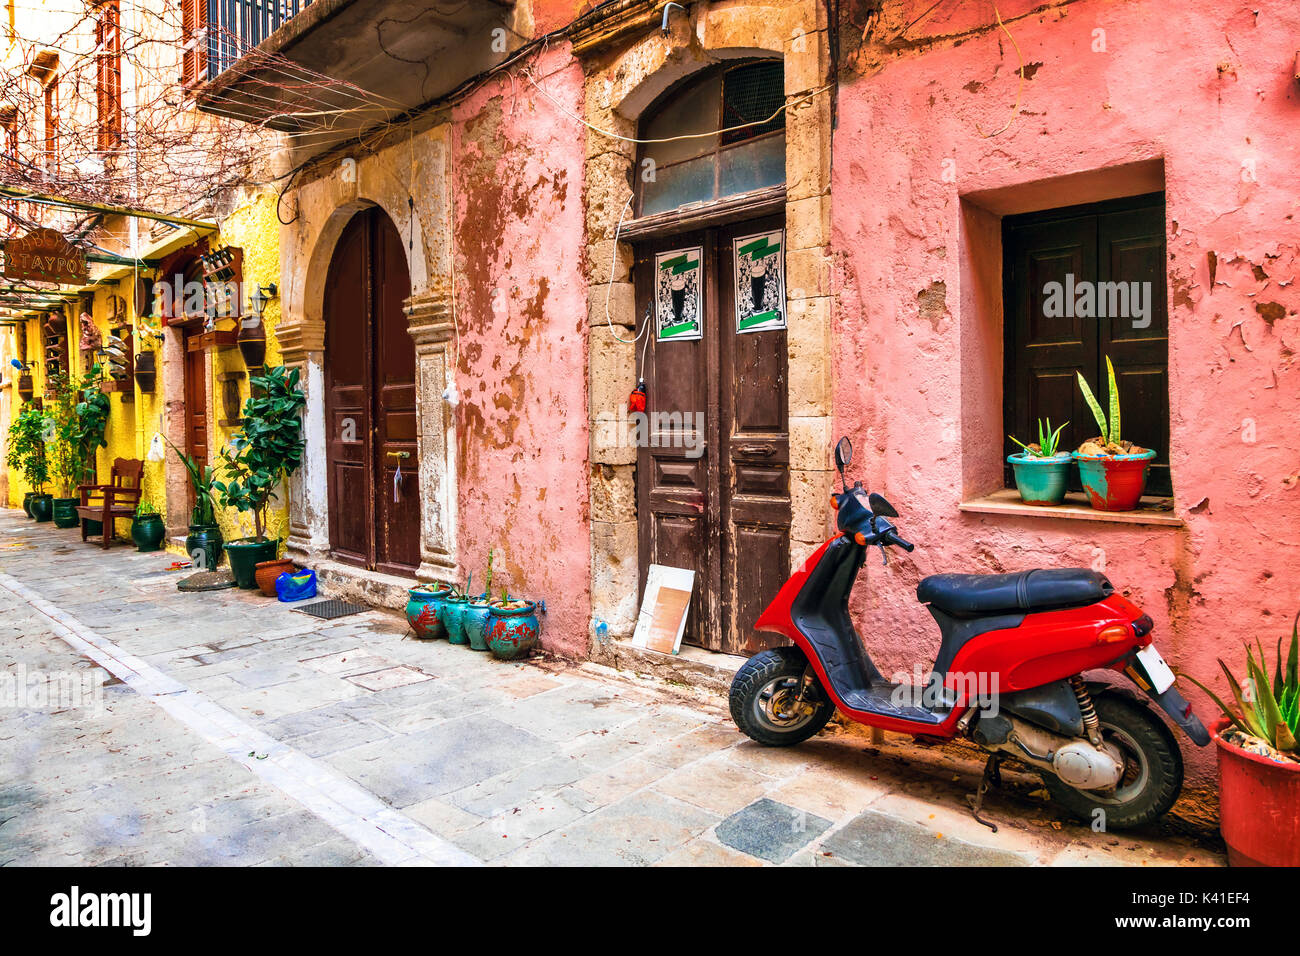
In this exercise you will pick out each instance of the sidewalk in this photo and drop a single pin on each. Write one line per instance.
(232, 730)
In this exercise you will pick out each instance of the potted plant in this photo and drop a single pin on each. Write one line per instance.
(423, 609)
(476, 612)
(266, 573)
(80, 418)
(147, 528)
(1259, 760)
(1113, 471)
(260, 456)
(512, 630)
(26, 454)
(1042, 470)
(204, 542)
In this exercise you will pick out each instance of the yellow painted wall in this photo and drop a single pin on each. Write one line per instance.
(254, 227)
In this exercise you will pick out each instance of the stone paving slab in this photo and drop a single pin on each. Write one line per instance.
(230, 730)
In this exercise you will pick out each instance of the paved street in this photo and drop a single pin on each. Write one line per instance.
(228, 729)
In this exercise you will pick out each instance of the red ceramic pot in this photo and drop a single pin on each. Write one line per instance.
(1114, 482)
(1259, 806)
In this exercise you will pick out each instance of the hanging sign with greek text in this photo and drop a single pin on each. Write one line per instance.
(679, 302)
(44, 255)
(760, 281)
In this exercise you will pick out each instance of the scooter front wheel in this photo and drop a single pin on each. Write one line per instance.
(766, 703)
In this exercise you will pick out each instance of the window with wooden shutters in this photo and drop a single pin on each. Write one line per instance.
(1080, 284)
(194, 41)
(108, 63)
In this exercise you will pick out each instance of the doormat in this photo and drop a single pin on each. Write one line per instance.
(207, 581)
(332, 609)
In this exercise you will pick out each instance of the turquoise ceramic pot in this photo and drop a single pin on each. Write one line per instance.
(513, 633)
(474, 622)
(422, 611)
(453, 607)
(1041, 481)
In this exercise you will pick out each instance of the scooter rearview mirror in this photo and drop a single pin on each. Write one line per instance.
(881, 507)
(843, 456)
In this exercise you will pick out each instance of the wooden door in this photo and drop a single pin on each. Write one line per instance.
(374, 515)
(713, 470)
(196, 403)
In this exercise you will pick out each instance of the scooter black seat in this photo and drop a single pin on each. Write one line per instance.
(975, 595)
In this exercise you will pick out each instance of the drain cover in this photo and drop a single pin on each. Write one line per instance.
(332, 609)
(207, 581)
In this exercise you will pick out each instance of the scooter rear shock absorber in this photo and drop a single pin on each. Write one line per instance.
(1091, 725)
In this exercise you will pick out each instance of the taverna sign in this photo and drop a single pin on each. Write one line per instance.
(43, 255)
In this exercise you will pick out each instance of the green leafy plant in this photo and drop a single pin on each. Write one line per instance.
(1048, 440)
(146, 508)
(267, 449)
(201, 476)
(1108, 435)
(487, 584)
(1270, 711)
(80, 419)
(25, 450)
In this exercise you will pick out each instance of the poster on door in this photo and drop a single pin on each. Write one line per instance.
(760, 281)
(679, 298)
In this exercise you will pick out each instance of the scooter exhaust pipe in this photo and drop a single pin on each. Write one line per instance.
(1076, 761)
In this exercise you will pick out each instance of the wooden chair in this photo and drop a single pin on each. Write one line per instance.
(117, 499)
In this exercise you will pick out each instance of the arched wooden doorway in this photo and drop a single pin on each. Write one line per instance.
(370, 415)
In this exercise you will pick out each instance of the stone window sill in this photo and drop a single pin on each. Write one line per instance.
(1150, 510)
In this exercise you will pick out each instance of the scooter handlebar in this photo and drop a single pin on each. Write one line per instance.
(891, 537)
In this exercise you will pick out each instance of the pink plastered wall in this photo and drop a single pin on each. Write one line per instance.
(1197, 98)
(521, 375)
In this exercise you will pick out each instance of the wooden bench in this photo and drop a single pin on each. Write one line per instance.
(117, 499)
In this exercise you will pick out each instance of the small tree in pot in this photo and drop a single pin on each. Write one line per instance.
(260, 456)
(80, 419)
(26, 454)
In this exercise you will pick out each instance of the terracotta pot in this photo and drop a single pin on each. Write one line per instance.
(1259, 806)
(266, 572)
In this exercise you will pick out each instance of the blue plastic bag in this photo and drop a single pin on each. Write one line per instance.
(296, 586)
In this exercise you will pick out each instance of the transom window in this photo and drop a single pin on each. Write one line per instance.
(706, 168)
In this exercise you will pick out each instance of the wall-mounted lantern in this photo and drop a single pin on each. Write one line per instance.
(252, 333)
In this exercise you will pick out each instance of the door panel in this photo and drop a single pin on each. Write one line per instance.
(726, 513)
(756, 487)
(371, 400)
(676, 486)
(196, 407)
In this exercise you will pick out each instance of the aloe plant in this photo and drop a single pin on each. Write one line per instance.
(201, 481)
(1108, 435)
(1048, 440)
(1270, 711)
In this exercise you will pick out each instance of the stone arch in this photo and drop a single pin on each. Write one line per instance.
(629, 65)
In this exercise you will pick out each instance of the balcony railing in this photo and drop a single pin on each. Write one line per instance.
(236, 26)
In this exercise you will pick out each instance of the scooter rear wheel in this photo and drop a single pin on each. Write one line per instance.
(765, 699)
(1153, 774)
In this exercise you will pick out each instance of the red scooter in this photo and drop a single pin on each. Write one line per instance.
(1013, 649)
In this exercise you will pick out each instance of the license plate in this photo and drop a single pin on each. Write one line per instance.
(1162, 678)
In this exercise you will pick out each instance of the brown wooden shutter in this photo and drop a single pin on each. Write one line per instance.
(1120, 241)
(194, 41)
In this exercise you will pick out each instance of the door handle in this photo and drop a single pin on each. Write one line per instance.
(757, 451)
(399, 454)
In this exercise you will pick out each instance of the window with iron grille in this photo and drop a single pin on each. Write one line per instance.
(108, 63)
(738, 109)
